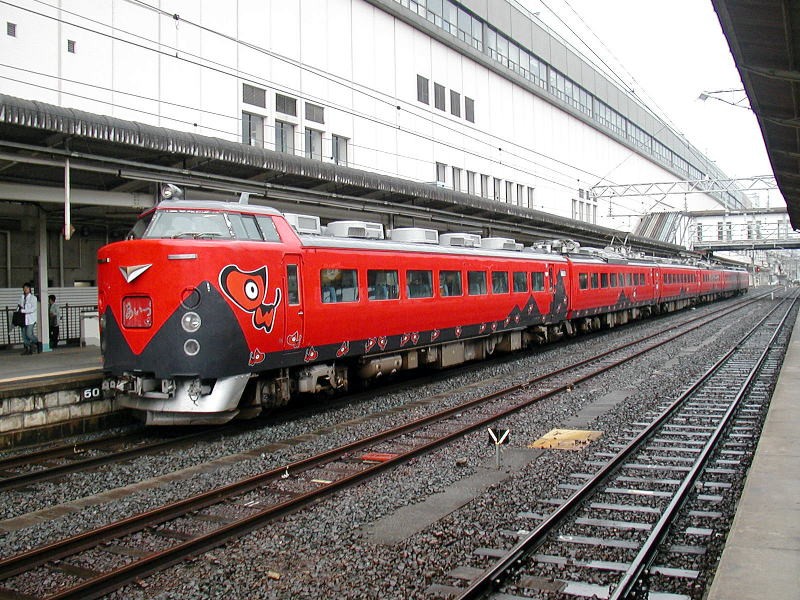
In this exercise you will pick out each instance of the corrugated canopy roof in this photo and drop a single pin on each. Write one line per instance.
(765, 46)
(111, 154)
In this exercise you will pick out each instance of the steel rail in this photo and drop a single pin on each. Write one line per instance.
(490, 579)
(632, 578)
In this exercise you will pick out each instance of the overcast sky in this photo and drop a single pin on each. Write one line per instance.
(674, 51)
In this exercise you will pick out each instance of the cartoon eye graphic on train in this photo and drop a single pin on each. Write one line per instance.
(248, 290)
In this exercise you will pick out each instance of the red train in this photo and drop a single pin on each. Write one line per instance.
(213, 310)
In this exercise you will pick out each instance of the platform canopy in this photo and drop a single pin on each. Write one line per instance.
(764, 41)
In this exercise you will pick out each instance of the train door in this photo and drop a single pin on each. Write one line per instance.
(656, 284)
(294, 300)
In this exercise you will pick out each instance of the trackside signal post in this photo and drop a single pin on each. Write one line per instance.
(499, 437)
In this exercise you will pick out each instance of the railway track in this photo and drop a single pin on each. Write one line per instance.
(98, 561)
(605, 539)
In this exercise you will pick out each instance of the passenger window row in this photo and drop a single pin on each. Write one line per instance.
(678, 277)
(342, 285)
(606, 280)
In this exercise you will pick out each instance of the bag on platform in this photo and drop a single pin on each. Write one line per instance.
(18, 319)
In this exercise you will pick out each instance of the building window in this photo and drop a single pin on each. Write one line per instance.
(509, 192)
(422, 89)
(455, 103)
(339, 146)
(253, 95)
(457, 179)
(315, 113)
(252, 130)
(485, 186)
(71, 46)
(441, 173)
(438, 96)
(286, 105)
(471, 182)
(313, 144)
(520, 196)
(531, 191)
(284, 137)
(720, 231)
(469, 109)
(498, 188)
(699, 232)
(11, 29)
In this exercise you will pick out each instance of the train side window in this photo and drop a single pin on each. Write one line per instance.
(476, 283)
(268, 230)
(613, 280)
(604, 280)
(292, 285)
(419, 284)
(520, 281)
(583, 281)
(450, 283)
(595, 282)
(338, 285)
(628, 279)
(499, 282)
(537, 281)
(383, 285)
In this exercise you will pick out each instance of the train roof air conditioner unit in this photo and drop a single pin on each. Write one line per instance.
(499, 243)
(304, 224)
(463, 240)
(356, 229)
(418, 235)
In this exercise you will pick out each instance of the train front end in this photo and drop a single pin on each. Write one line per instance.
(182, 303)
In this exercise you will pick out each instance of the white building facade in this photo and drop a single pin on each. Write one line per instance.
(474, 95)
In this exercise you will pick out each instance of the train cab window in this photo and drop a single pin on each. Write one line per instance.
(177, 224)
(595, 281)
(520, 281)
(476, 283)
(537, 281)
(268, 231)
(419, 284)
(613, 280)
(292, 285)
(450, 283)
(244, 227)
(383, 285)
(338, 285)
(499, 282)
(604, 280)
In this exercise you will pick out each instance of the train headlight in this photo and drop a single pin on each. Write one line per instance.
(191, 322)
(191, 347)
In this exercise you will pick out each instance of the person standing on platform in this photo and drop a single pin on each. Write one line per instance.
(29, 306)
(52, 311)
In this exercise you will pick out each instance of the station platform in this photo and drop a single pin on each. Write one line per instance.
(761, 558)
(52, 395)
(64, 364)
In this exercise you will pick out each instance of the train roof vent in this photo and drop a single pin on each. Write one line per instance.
(356, 229)
(417, 235)
(463, 240)
(565, 246)
(500, 243)
(304, 223)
